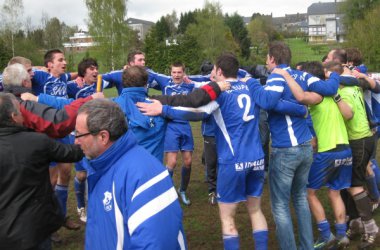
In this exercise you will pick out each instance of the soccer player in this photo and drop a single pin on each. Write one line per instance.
(54, 83)
(115, 78)
(291, 154)
(178, 133)
(332, 164)
(362, 142)
(240, 169)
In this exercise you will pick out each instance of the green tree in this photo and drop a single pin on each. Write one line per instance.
(5, 54)
(172, 21)
(259, 39)
(211, 33)
(107, 26)
(239, 32)
(356, 10)
(162, 29)
(155, 51)
(186, 19)
(11, 12)
(364, 34)
(53, 34)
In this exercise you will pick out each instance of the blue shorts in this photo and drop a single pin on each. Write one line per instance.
(178, 137)
(331, 169)
(64, 140)
(236, 182)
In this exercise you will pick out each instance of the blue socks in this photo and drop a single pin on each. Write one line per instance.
(324, 229)
(185, 178)
(261, 239)
(340, 230)
(376, 171)
(231, 242)
(373, 191)
(61, 193)
(80, 188)
(170, 172)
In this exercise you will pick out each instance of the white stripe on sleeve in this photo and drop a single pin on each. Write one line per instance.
(151, 208)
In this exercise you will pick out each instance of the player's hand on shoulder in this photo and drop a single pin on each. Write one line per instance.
(224, 85)
(29, 97)
(98, 95)
(151, 109)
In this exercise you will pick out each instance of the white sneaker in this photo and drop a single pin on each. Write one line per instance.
(82, 214)
(183, 196)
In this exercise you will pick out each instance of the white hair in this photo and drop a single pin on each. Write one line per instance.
(15, 74)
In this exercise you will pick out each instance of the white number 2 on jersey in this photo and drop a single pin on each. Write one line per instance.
(247, 106)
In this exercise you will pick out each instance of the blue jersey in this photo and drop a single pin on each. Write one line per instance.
(287, 130)
(208, 126)
(237, 120)
(204, 78)
(75, 92)
(115, 78)
(168, 87)
(45, 83)
(132, 203)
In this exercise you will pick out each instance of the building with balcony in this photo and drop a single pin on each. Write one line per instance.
(81, 41)
(325, 22)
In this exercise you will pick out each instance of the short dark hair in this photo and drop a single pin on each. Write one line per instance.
(178, 64)
(334, 66)
(315, 68)
(85, 64)
(340, 56)
(131, 55)
(7, 108)
(103, 114)
(355, 56)
(280, 52)
(206, 67)
(135, 76)
(49, 55)
(300, 64)
(229, 64)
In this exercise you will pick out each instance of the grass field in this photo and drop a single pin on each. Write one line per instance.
(201, 220)
(302, 51)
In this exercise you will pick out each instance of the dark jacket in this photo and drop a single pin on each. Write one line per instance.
(195, 99)
(29, 211)
(42, 118)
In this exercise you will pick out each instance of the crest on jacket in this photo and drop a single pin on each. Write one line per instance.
(107, 201)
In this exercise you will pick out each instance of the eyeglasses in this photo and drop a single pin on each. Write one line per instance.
(81, 135)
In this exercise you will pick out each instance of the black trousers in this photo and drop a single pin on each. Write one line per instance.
(210, 158)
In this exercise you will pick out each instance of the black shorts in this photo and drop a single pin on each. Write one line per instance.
(362, 150)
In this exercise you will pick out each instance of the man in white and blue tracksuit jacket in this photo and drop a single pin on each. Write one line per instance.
(132, 203)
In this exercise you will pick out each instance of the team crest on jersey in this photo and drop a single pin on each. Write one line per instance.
(107, 201)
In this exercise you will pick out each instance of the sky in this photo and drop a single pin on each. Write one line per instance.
(74, 12)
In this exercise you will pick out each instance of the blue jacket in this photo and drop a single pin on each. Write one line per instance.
(132, 203)
(149, 130)
(288, 131)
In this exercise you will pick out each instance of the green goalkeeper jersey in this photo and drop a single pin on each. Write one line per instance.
(358, 126)
(328, 124)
